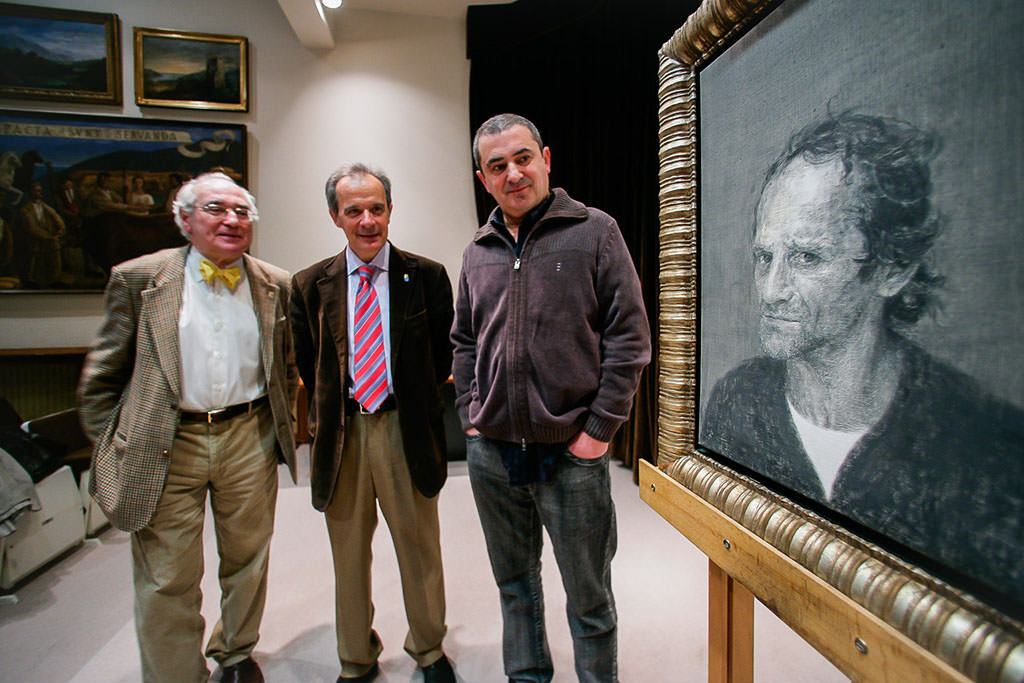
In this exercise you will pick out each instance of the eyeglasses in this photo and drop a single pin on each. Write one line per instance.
(216, 210)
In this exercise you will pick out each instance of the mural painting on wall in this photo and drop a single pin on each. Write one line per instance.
(860, 258)
(79, 194)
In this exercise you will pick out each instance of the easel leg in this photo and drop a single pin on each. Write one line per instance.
(730, 629)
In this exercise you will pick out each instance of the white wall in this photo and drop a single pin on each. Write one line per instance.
(393, 93)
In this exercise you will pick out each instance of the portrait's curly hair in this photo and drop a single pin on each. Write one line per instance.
(886, 161)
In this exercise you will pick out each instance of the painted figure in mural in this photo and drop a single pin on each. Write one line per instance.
(174, 181)
(371, 331)
(187, 394)
(43, 231)
(103, 197)
(551, 336)
(9, 275)
(843, 408)
(137, 197)
(67, 203)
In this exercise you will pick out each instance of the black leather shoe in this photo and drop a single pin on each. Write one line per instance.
(365, 678)
(245, 671)
(438, 672)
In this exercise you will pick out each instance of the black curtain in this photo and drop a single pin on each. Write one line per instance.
(587, 74)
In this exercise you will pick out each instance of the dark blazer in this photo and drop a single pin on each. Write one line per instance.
(131, 381)
(421, 361)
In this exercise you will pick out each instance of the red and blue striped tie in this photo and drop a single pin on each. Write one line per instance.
(371, 377)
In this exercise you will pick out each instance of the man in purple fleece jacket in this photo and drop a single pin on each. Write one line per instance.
(550, 336)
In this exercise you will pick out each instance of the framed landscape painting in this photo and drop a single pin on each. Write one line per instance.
(842, 295)
(59, 55)
(79, 194)
(191, 70)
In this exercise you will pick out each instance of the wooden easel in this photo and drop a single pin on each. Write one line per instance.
(730, 629)
(742, 566)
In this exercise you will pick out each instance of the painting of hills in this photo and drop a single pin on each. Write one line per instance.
(190, 70)
(58, 54)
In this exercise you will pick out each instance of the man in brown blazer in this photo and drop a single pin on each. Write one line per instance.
(188, 391)
(381, 441)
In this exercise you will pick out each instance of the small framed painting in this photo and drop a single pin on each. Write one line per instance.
(59, 55)
(191, 70)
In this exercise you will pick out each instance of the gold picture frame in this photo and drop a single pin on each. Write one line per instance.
(60, 55)
(191, 70)
(970, 634)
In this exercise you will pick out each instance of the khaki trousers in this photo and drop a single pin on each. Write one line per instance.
(235, 462)
(373, 470)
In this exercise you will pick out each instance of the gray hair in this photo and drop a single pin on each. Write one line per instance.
(185, 199)
(499, 124)
(347, 171)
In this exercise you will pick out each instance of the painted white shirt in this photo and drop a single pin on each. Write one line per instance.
(219, 338)
(827, 448)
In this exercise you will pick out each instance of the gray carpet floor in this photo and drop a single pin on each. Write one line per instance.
(73, 620)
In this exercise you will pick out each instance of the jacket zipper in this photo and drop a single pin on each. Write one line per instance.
(515, 392)
(518, 425)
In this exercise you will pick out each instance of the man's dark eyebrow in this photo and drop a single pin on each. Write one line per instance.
(514, 154)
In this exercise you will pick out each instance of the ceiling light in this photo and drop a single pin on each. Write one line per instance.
(331, 4)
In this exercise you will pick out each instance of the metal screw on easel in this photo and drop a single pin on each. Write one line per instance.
(861, 646)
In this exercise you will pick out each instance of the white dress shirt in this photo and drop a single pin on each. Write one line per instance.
(219, 338)
(380, 286)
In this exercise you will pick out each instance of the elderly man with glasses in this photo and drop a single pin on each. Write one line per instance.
(187, 391)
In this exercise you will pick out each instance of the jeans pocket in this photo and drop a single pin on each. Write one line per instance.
(586, 462)
(473, 438)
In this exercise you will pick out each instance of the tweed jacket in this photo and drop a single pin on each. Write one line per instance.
(421, 360)
(131, 381)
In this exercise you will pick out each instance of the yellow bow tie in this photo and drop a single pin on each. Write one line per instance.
(230, 276)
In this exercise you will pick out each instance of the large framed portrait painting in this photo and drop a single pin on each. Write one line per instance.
(855, 232)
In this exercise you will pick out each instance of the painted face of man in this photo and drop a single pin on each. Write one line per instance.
(808, 261)
(514, 171)
(222, 239)
(363, 213)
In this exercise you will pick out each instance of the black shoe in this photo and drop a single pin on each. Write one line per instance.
(438, 672)
(245, 671)
(365, 678)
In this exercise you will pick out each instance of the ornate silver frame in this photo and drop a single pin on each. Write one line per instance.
(974, 638)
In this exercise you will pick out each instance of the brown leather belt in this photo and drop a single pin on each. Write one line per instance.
(222, 414)
(353, 406)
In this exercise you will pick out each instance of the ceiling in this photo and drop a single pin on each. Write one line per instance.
(310, 23)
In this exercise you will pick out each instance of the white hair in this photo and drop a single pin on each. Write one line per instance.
(185, 200)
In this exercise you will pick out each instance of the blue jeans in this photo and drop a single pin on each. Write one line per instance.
(576, 508)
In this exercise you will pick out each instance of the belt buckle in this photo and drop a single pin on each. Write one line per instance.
(210, 415)
(362, 410)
